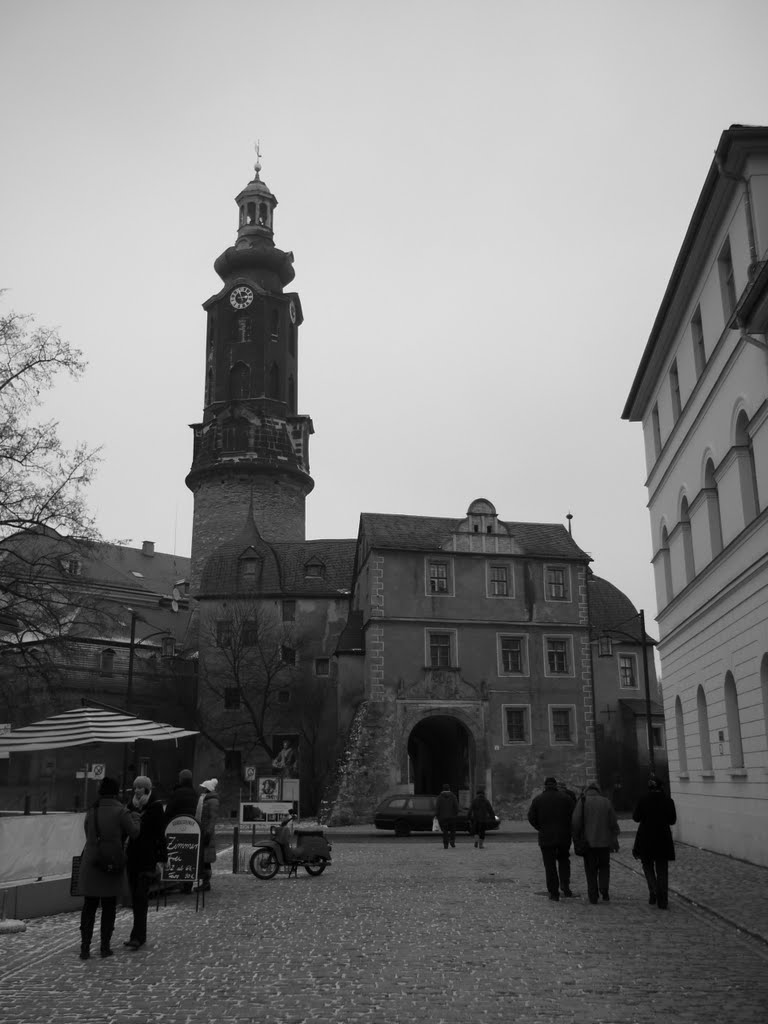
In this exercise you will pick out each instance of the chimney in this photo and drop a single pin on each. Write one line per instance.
(148, 548)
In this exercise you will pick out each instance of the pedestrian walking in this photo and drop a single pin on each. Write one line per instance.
(550, 814)
(481, 816)
(107, 825)
(654, 846)
(207, 812)
(146, 853)
(446, 812)
(594, 822)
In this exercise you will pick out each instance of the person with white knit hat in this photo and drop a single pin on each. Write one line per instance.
(207, 812)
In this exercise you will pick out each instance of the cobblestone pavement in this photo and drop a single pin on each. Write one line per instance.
(400, 931)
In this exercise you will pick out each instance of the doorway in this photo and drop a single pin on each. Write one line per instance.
(439, 752)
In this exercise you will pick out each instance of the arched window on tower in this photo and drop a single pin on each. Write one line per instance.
(209, 386)
(239, 381)
(715, 525)
(733, 720)
(682, 754)
(274, 381)
(291, 396)
(685, 526)
(242, 436)
(666, 565)
(703, 717)
(250, 217)
(747, 472)
(275, 325)
(263, 215)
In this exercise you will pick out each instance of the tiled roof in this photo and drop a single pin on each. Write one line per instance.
(430, 533)
(609, 606)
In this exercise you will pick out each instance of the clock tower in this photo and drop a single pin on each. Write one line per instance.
(252, 447)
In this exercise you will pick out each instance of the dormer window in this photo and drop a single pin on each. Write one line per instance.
(248, 569)
(168, 647)
(314, 570)
(72, 565)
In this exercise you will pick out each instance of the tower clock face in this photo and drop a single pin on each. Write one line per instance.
(241, 297)
(292, 311)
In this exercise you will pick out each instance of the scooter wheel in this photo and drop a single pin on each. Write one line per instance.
(264, 864)
(317, 868)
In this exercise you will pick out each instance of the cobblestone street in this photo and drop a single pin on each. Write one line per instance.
(400, 931)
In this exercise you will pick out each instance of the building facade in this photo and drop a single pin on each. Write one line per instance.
(701, 394)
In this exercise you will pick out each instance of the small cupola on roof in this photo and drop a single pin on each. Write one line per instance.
(257, 207)
(482, 516)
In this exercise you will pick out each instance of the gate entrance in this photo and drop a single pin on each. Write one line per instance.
(439, 752)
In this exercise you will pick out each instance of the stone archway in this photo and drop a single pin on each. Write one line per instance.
(440, 750)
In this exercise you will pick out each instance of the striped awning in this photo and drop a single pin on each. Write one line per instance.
(86, 725)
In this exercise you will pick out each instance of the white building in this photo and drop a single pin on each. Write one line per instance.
(701, 393)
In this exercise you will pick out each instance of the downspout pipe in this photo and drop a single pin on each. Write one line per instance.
(747, 208)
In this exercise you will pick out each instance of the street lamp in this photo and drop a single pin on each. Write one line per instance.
(605, 650)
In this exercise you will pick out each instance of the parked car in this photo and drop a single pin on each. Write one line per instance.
(405, 814)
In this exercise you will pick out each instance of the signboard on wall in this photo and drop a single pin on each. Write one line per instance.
(261, 814)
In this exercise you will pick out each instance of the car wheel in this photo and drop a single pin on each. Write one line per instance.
(402, 828)
(264, 864)
(317, 868)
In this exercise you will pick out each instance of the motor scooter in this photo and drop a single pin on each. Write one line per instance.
(291, 847)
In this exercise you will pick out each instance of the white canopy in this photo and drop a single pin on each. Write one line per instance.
(86, 725)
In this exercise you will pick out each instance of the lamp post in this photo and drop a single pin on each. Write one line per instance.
(605, 650)
(132, 645)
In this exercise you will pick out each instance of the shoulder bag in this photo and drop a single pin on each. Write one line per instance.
(110, 856)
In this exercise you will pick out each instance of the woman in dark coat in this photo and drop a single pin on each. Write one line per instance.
(481, 816)
(654, 847)
(114, 823)
(146, 853)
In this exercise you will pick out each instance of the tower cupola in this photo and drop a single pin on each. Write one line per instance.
(257, 207)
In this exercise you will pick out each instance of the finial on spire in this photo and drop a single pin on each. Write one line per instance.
(257, 165)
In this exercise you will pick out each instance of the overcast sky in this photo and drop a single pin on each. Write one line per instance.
(484, 201)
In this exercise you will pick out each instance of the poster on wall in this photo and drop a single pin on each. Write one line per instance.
(260, 815)
(286, 761)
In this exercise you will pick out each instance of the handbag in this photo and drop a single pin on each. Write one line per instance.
(580, 845)
(110, 856)
(436, 825)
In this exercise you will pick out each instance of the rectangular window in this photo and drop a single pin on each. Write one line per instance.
(438, 577)
(517, 723)
(727, 281)
(243, 329)
(499, 581)
(512, 655)
(674, 386)
(656, 427)
(223, 633)
(250, 633)
(627, 673)
(440, 650)
(697, 333)
(557, 657)
(322, 666)
(562, 721)
(657, 732)
(287, 655)
(557, 583)
(289, 611)
(231, 698)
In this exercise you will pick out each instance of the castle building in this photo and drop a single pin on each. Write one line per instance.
(700, 392)
(423, 651)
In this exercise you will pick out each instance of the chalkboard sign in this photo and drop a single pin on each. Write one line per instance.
(182, 837)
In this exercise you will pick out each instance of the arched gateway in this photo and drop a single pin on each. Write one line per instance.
(440, 750)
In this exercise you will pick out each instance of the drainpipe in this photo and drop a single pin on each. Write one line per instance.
(747, 208)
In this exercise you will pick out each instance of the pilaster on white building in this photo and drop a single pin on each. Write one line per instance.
(701, 393)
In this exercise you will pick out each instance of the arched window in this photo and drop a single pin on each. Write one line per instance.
(748, 473)
(666, 564)
(209, 386)
(263, 215)
(685, 524)
(682, 754)
(734, 724)
(715, 526)
(251, 214)
(239, 381)
(274, 381)
(107, 662)
(706, 749)
(291, 395)
(275, 329)
(764, 688)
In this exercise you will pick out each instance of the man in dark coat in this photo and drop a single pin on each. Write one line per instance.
(183, 798)
(145, 854)
(107, 824)
(446, 812)
(654, 846)
(550, 814)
